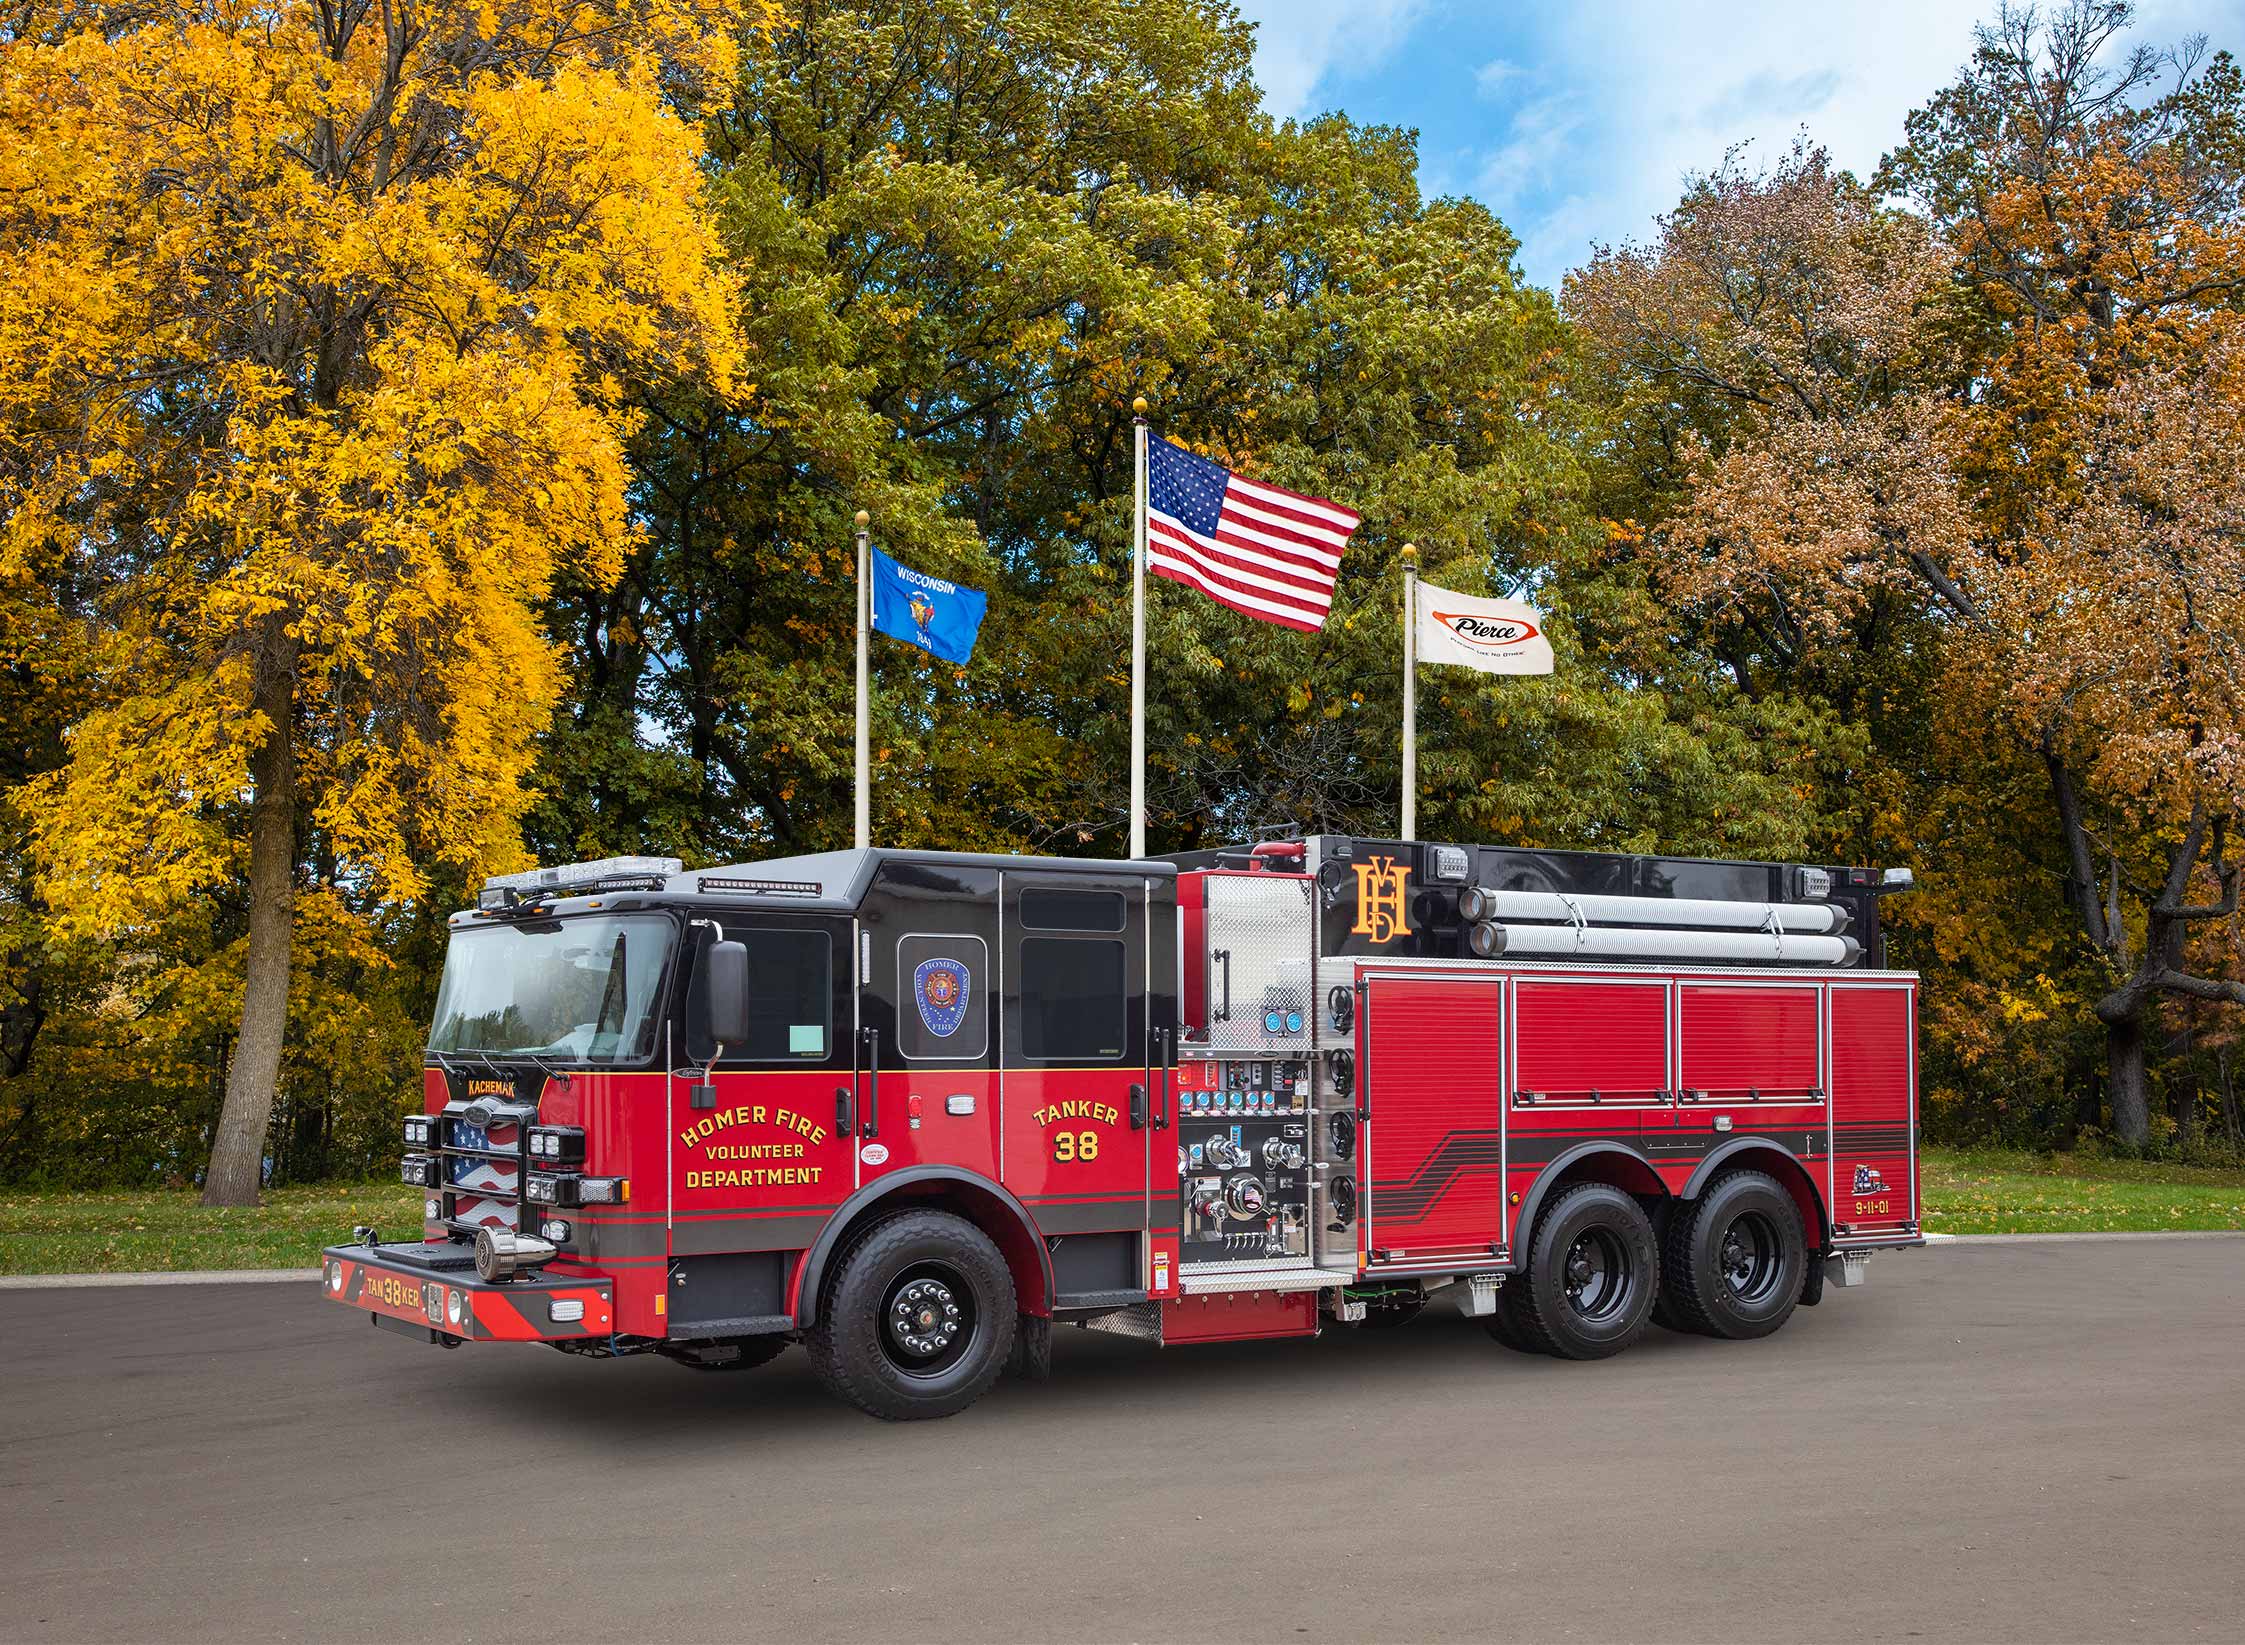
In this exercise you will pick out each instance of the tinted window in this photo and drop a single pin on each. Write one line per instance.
(790, 997)
(1049, 910)
(942, 998)
(1073, 1008)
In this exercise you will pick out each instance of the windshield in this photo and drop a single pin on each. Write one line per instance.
(581, 990)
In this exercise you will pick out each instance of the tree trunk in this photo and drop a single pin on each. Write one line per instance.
(238, 1150)
(2124, 1069)
(2229, 1099)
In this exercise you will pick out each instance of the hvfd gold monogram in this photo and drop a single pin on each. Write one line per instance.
(1379, 900)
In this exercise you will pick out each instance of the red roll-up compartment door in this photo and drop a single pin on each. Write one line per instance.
(1743, 1042)
(1433, 1149)
(1874, 1109)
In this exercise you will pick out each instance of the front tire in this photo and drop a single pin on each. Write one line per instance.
(1736, 1261)
(918, 1319)
(1591, 1274)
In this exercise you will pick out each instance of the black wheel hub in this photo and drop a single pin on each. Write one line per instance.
(1750, 1257)
(927, 1320)
(1596, 1274)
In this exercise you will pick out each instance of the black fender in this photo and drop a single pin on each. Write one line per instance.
(1763, 1143)
(895, 1186)
(1557, 1169)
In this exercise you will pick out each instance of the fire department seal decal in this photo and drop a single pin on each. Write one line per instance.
(939, 988)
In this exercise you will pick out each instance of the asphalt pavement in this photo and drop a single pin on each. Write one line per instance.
(2028, 1442)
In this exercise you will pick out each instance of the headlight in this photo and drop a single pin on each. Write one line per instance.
(418, 1169)
(557, 1143)
(419, 1131)
(433, 1209)
(545, 1190)
(555, 1229)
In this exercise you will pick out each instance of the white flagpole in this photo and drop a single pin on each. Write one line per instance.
(1138, 638)
(864, 701)
(1410, 691)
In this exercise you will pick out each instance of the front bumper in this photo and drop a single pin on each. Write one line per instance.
(435, 1287)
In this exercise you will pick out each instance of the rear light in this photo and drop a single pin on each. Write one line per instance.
(557, 1143)
(420, 1130)
(455, 1305)
(418, 1169)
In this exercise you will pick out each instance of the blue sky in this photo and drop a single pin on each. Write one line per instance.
(1576, 122)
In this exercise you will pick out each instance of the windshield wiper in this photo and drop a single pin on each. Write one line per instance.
(548, 1066)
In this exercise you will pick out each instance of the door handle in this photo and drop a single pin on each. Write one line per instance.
(1168, 1062)
(1137, 1107)
(845, 1106)
(872, 1124)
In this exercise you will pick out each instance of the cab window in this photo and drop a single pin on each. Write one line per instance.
(1074, 1007)
(790, 997)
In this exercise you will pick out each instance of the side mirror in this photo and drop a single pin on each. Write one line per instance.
(725, 969)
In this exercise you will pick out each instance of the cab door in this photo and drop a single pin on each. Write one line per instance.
(1083, 1087)
(758, 1153)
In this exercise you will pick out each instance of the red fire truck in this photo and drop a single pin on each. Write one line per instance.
(913, 1108)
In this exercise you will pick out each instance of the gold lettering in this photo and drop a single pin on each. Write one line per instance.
(1380, 910)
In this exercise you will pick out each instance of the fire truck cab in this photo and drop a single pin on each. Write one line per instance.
(912, 1108)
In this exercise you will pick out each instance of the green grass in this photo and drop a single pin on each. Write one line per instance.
(1991, 1191)
(110, 1233)
(1972, 1191)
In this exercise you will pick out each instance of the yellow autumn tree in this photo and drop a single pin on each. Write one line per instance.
(314, 356)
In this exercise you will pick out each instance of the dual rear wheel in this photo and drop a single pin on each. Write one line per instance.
(1732, 1265)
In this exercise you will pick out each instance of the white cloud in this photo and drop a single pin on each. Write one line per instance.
(1538, 143)
(1671, 84)
(1491, 77)
(1299, 43)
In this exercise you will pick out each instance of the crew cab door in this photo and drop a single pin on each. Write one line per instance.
(759, 1157)
(1084, 1091)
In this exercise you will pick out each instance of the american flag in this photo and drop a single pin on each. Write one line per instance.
(1269, 553)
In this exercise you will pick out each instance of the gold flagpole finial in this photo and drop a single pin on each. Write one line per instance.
(1410, 551)
(1138, 406)
(863, 519)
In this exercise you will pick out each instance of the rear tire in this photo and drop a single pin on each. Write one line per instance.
(1503, 1322)
(1591, 1275)
(1736, 1261)
(918, 1319)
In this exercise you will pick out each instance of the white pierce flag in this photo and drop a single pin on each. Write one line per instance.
(1474, 631)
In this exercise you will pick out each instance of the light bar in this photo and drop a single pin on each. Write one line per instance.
(1699, 913)
(1608, 942)
(586, 873)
